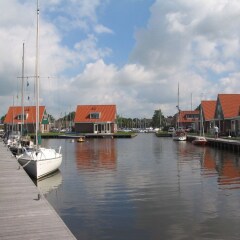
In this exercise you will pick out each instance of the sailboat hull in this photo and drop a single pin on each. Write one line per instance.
(179, 136)
(41, 162)
(201, 141)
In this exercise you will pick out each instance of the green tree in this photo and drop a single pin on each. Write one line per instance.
(158, 120)
(2, 118)
(51, 118)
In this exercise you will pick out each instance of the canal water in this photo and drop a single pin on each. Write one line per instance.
(145, 188)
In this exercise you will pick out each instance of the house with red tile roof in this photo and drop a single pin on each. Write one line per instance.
(227, 113)
(208, 111)
(15, 117)
(187, 119)
(96, 119)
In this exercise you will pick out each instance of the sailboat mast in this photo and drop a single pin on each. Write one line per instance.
(178, 109)
(201, 121)
(178, 96)
(37, 77)
(22, 98)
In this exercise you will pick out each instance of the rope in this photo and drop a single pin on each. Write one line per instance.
(26, 164)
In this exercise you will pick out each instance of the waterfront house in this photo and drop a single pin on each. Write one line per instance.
(96, 119)
(15, 118)
(208, 111)
(227, 113)
(187, 119)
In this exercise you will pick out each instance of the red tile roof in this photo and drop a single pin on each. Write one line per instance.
(208, 107)
(184, 119)
(107, 113)
(230, 104)
(13, 112)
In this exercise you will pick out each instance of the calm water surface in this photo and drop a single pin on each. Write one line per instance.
(145, 188)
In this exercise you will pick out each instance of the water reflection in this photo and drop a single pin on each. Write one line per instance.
(209, 164)
(223, 165)
(159, 189)
(49, 183)
(229, 172)
(96, 154)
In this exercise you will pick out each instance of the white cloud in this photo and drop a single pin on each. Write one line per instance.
(230, 84)
(87, 49)
(73, 14)
(190, 42)
(102, 29)
(194, 43)
(175, 22)
(55, 58)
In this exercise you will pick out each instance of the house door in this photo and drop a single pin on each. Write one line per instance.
(233, 126)
(95, 128)
(103, 130)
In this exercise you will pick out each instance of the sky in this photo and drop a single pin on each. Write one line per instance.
(132, 53)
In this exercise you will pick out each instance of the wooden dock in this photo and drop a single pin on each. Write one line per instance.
(24, 212)
(221, 143)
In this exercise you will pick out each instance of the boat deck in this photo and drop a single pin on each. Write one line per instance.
(23, 214)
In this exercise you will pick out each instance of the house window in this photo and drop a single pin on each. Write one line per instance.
(95, 115)
(20, 116)
(191, 116)
(219, 111)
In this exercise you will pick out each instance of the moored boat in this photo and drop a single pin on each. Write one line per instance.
(81, 139)
(179, 135)
(199, 140)
(40, 162)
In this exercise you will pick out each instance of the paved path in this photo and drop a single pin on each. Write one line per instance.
(22, 214)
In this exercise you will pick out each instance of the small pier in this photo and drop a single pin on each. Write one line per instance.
(24, 211)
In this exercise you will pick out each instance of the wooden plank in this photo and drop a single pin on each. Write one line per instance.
(22, 214)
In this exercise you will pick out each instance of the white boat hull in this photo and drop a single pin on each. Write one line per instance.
(41, 162)
(179, 136)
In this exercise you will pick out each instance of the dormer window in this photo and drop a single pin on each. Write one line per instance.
(95, 115)
(21, 117)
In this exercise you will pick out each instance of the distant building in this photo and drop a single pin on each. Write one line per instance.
(96, 119)
(187, 119)
(15, 118)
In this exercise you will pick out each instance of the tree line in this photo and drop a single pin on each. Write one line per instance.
(158, 120)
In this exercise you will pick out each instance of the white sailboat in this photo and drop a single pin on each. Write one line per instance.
(179, 134)
(39, 161)
(16, 143)
(200, 140)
